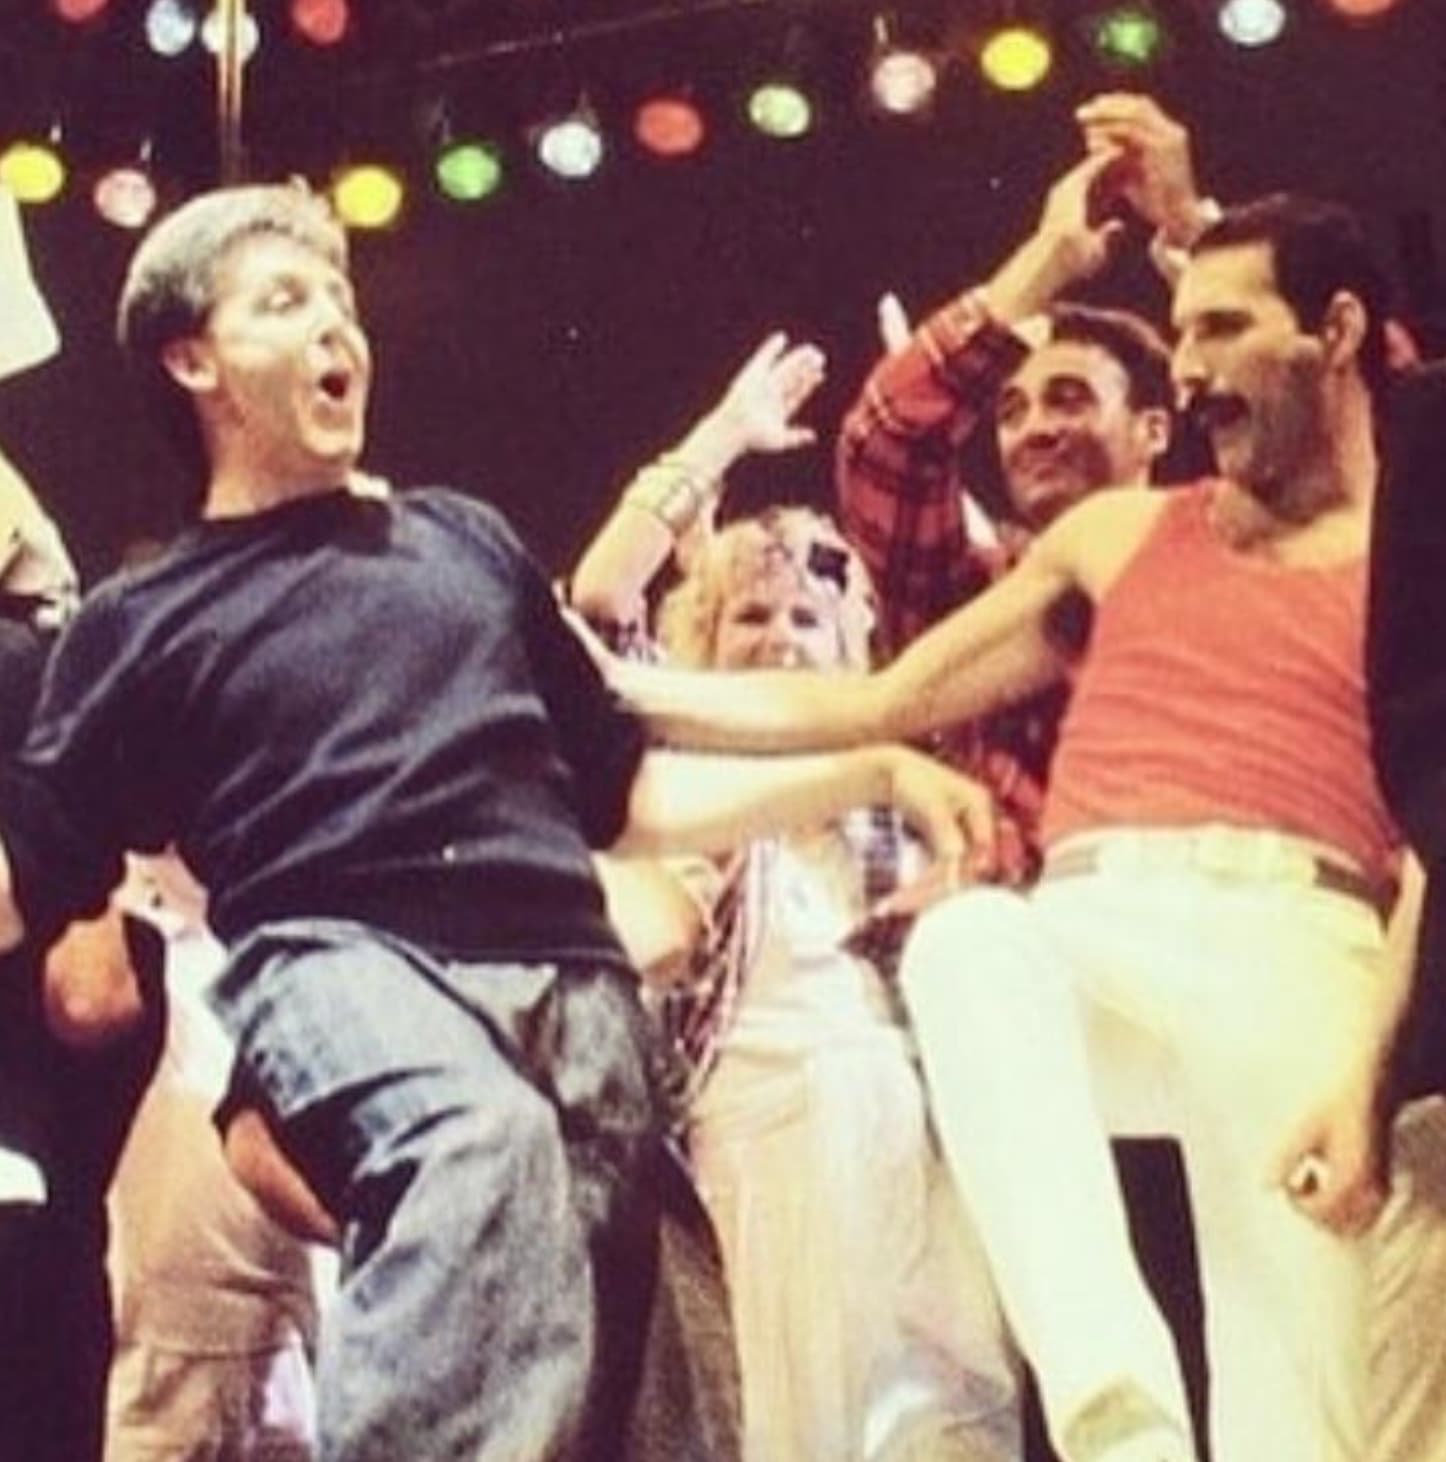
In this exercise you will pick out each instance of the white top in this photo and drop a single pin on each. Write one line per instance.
(802, 982)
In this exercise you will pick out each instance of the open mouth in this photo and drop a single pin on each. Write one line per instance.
(1215, 411)
(335, 385)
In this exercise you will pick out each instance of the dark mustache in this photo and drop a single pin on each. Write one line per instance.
(1202, 407)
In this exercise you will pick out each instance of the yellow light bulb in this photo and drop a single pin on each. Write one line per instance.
(32, 171)
(367, 197)
(1016, 58)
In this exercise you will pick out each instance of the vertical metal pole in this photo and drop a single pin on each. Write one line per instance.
(230, 97)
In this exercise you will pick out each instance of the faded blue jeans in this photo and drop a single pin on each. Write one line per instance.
(487, 1136)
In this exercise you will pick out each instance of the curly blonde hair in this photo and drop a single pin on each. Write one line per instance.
(795, 539)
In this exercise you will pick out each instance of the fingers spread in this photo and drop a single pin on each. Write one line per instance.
(894, 328)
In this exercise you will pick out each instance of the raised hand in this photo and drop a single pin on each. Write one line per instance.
(1072, 241)
(758, 407)
(895, 332)
(1155, 175)
(1071, 225)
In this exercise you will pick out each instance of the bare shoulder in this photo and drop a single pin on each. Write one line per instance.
(1094, 540)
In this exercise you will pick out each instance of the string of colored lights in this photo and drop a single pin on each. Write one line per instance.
(1014, 53)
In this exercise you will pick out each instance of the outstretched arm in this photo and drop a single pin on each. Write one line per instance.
(715, 804)
(992, 651)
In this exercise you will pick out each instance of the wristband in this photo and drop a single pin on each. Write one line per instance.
(671, 490)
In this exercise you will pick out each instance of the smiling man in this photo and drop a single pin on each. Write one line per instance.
(1078, 398)
(1203, 955)
(369, 733)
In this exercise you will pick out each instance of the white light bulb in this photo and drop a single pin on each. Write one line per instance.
(1252, 22)
(211, 32)
(571, 148)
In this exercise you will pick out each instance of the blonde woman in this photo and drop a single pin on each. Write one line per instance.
(865, 1322)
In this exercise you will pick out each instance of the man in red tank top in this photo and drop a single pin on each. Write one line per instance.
(1204, 955)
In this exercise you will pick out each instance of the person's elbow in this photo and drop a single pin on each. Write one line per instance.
(601, 600)
(647, 830)
(92, 994)
(657, 921)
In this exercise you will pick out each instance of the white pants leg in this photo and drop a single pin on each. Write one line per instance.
(856, 1317)
(1214, 1010)
(999, 1027)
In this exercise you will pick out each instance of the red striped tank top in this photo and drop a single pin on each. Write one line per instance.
(1220, 687)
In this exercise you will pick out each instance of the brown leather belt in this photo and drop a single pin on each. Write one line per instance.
(1316, 871)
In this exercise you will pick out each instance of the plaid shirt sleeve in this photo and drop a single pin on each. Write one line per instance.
(897, 467)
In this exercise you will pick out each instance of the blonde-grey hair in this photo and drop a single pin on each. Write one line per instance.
(806, 541)
(170, 287)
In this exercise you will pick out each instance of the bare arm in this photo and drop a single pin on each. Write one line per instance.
(715, 804)
(1156, 173)
(658, 921)
(991, 651)
(678, 494)
(897, 466)
(1402, 936)
(1067, 246)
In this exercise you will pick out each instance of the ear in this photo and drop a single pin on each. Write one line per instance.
(1343, 328)
(190, 364)
(1155, 426)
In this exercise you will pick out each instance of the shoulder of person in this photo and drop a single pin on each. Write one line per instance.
(1099, 533)
(474, 515)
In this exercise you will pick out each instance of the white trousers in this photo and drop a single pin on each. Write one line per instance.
(1152, 997)
(866, 1322)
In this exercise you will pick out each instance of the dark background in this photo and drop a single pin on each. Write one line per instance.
(536, 347)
